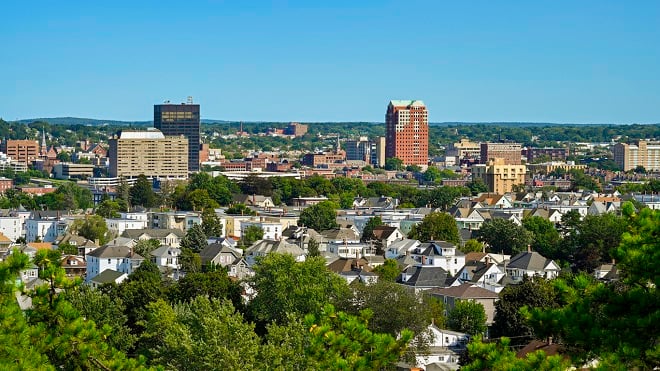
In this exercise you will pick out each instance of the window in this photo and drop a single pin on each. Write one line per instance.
(109, 261)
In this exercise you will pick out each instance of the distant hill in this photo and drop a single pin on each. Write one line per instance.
(97, 122)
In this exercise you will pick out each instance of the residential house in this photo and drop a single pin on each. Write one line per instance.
(386, 235)
(493, 200)
(375, 203)
(118, 226)
(401, 248)
(106, 277)
(11, 227)
(445, 347)
(265, 247)
(5, 242)
(423, 277)
(117, 258)
(260, 201)
(272, 230)
(530, 263)
(44, 226)
(240, 269)
(351, 249)
(181, 220)
(73, 265)
(166, 258)
(220, 254)
(169, 237)
(440, 254)
(486, 274)
(607, 272)
(352, 269)
(468, 291)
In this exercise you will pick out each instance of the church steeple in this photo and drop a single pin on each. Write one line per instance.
(44, 148)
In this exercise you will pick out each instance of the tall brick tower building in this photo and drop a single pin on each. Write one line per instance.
(407, 137)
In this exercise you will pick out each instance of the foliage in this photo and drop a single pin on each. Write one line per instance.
(142, 193)
(144, 247)
(240, 209)
(436, 226)
(340, 341)
(313, 248)
(545, 237)
(320, 217)
(503, 236)
(211, 224)
(215, 285)
(368, 231)
(622, 317)
(477, 186)
(284, 286)
(393, 163)
(92, 227)
(498, 357)
(388, 272)
(109, 209)
(591, 242)
(67, 249)
(471, 245)
(509, 321)
(251, 234)
(195, 239)
(468, 317)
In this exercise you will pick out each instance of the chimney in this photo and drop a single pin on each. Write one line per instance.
(487, 260)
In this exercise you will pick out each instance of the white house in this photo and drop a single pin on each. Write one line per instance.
(400, 248)
(45, 230)
(166, 257)
(439, 254)
(11, 226)
(117, 258)
(272, 230)
(118, 226)
(264, 247)
(350, 249)
(445, 347)
(530, 263)
(107, 276)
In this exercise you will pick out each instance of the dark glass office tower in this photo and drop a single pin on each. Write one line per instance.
(181, 119)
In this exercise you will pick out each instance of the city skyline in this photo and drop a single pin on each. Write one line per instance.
(561, 62)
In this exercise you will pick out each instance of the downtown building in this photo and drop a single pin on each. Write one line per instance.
(407, 132)
(641, 153)
(181, 119)
(149, 152)
(510, 153)
(365, 150)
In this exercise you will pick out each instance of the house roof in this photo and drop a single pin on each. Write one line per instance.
(348, 264)
(475, 256)
(107, 276)
(41, 245)
(164, 251)
(270, 246)
(80, 261)
(466, 291)
(340, 234)
(211, 251)
(532, 261)
(4, 239)
(383, 232)
(154, 233)
(534, 345)
(426, 276)
(114, 251)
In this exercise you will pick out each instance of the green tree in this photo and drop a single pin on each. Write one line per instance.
(251, 234)
(211, 224)
(340, 341)
(468, 317)
(214, 285)
(504, 236)
(590, 243)
(144, 247)
(313, 248)
(498, 356)
(389, 271)
(285, 286)
(67, 249)
(432, 174)
(393, 163)
(477, 186)
(108, 209)
(142, 193)
(622, 317)
(195, 239)
(545, 237)
(200, 199)
(240, 209)
(533, 292)
(92, 227)
(472, 245)
(436, 226)
(320, 217)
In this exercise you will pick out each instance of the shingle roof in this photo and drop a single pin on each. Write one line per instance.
(346, 265)
(466, 291)
(529, 261)
(426, 276)
(383, 232)
(107, 276)
(269, 246)
(164, 250)
(152, 233)
(113, 251)
(340, 234)
(211, 251)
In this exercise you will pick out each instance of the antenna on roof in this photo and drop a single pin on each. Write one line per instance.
(190, 100)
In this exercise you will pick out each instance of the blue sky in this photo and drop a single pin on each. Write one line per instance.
(541, 61)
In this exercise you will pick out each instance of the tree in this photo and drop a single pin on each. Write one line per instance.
(144, 247)
(432, 174)
(320, 217)
(240, 209)
(195, 239)
(389, 271)
(214, 285)
(284, 286)
(199, 199)
(533, 292)
(545, 237)
(67, 249)
(211, 224)
(64, 156)
(436, 226)
(368, 231)
(393, 163)
(477, 186)
(108, 209)
(622, 317)
(340, 341)
(251, 234)
(468, 317)
(498, 356)
(590, 243)
(471, 245)
(142, 193)
(313, 248)
(92, 227)
(504, 236)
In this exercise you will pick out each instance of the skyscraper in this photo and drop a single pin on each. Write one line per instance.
(148, 152)
(181, 119)
(407, 126)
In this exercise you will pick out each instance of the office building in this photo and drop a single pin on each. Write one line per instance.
(148, 152)
(181, 119)
(23, 151)
(378, 155)
(499, 176)
(359, 150)
(641, 153)
(407, 128)
(295, 129)
(510, 153)
(464, 149)
(547, 153)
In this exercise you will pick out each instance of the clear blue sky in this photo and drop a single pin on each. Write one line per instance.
(541, 61)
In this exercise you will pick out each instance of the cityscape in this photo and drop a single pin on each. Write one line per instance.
(314, 225)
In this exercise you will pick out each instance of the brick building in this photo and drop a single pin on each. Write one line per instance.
(407, 128)
(510, 153)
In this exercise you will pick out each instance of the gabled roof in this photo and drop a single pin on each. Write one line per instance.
(531, 261)
(4, 239)
(383, 232)
(426, 276)
(466, 291)
(270, 246)
(107, 276)
(41, 245)
(80, 261)
(154, 233)
(211, 251)
(340, 234)
(164, 251)
(342, 265)
(114, 251)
